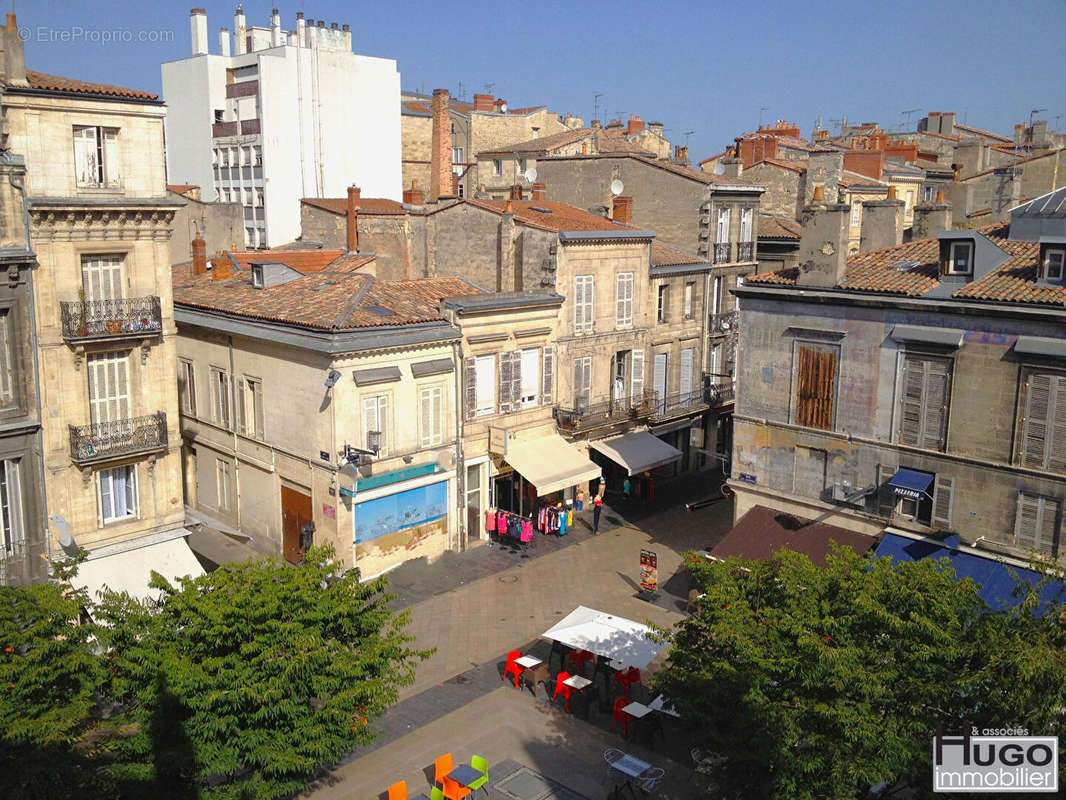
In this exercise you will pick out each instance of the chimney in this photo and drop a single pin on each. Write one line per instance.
(440, 167)
(240, 32)
(823, 248)
(275, 28)
(509, 277)
(516, 191)
(221, 266)
(301, 30)
(656, 128)
(596, 125)
(732, 167)
(347, 30)
(13, 66)
(352, 241)
(623, 209)
(540, 192)
(199, 255)
(636, 125)
(483, 102)
(823, 169)
(413, 196)
(223, 41)
(930, 219)
(198, 29)
(882, 223)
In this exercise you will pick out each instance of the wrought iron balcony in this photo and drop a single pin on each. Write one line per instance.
(588, 415)
(111, 319)
(746, 251)
(722, 323)
(103, 441)
(721, 394)
(723, 252)
(678, 405)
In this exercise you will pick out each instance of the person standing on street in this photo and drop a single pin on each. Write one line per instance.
(597, 507)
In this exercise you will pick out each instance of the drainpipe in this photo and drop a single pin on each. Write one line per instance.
(233, 430)
(39, 440)
(460, 468)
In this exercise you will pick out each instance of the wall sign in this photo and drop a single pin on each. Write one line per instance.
(747, 478)
(323, 455)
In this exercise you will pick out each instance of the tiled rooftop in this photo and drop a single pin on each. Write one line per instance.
(55, 83)
(795, 166)
(559, 216)
(181, 188)
(543, 144)
(303, 261)
(664, 256)
(366, 205)
(772, 226)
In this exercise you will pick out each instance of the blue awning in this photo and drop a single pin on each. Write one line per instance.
(994, 580)
(908, 483)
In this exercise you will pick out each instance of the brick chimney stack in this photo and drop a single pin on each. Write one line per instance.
(930, 219)
(440, 166)
(623, 209)
(540, 192)
(199, 255)
(221, 266)
(352, 240)
(636, 125)
(414, 196)
(882, 223)
(823, 249)
(483, 102)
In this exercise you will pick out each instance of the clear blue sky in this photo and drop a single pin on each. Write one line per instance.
(707, 67)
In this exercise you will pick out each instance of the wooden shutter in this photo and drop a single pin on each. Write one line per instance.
(1056, 447)
(85, 163)
(516, 380)
(506, 372)
(658, 377)
(1036, 523)
(886, 498)
(935, 403)
(108, 388)
(814, 389)
(469, 387)
(1037, 405)
(257, 407)
(910, 417)
(242, 405)
(426, 414)
(636, 381)
(943, 491)
(548, 370)
(579, 303)
(685, 387)
(111, 160)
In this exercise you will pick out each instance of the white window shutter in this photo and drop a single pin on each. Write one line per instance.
(685, 386)
(505, 382)
(548, 370)
(516, 380)
(425, 400)
(1037, 406)
(943, 491)
(636, 381)
(111, 156)
(469, 387)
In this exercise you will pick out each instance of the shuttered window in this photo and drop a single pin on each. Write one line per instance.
(943, 491)
(118, 494)
(220, 396)
(1042, 443)
(583, 308)
(485, 385)
(96, 156)
(1036, 524)
(109, 388)
(924, 394)
(510, 381)
(7, 360)
(685, 384)
(375, 423)
(250, 407)
(529, 377)
(658, 377)
(624, 300)
(101, 276)
(187, 387)
(547, 391)
(582, 382)
(429, 402)
(816, 387)
(636, 380)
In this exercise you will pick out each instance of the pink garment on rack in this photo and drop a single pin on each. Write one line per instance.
(490, 521)
(501, 523)
(527, 530)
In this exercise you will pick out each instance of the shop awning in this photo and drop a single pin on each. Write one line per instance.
(550, 463)
(637, 452)
(616, 638)
(908, 483)
(131, 570)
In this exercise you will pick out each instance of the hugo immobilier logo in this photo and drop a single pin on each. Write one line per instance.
(993, 762)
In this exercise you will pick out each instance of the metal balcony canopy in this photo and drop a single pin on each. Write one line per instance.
(912, 484)
(637, 452)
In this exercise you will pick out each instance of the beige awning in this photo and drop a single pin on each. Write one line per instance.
(131, 570)
(550, 463)
(637, 452)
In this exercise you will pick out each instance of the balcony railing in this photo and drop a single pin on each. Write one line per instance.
(605, 412)
(723, 252)
(242, 89)
(249, 126)
(102, 441)
(721, 394)
(110, 319)
(746, 251)
(677, 405)
(722, 323)
(224, 128)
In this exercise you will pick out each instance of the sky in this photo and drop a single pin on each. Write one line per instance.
(708, 70)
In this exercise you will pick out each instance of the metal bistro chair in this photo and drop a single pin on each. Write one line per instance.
(610, 755)
(650, 779)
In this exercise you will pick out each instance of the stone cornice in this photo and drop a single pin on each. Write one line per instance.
(80, 224)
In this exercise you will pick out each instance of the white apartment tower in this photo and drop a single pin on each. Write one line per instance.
(279, 115)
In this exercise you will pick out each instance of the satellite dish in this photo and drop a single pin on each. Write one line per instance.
(617, 187)
(530, 174)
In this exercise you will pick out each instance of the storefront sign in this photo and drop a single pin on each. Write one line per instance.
(649, 571)
(498, 440)
(329, 511)
(747, 478)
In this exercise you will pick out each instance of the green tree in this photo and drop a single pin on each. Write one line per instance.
(822, 682)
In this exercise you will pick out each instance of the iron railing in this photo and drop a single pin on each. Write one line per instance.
(746, 251)
(722, 323)
(721, 394)
(242, 89)
(224, 128)
(101, 441)
(723, 252)
(587, 415)
(102, 319)
(677, 405)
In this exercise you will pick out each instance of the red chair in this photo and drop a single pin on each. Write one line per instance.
(621, 716)
(627, 677)
(578, 659)
(453, 790)
(562, 689)
(512, 667)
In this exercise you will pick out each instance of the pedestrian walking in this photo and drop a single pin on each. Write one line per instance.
(597, 507)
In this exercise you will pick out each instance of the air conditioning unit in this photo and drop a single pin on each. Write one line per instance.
(446, 459)
(840, 492)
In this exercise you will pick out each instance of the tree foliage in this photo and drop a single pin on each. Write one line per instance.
(822, 682)
(242, 683)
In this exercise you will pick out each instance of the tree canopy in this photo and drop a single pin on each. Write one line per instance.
(242, 683)
(822, 682)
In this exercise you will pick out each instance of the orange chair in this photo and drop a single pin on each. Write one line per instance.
(441, 767)
(398, 791)
(512, 667)
(562, 689)
(621, 716)
(454, 791)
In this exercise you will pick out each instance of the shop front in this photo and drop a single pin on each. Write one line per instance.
(633, 462)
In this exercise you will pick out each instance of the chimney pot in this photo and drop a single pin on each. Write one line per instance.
(440, 167)
(199, 255)
(540, 192)
(623, 209)
(940, 196)
(891, 192)
(509, 208)
(352, 219)
(819, 195)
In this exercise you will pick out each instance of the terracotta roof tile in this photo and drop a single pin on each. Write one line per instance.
(55, 83)
(562, 217)
(773, 226)
(181, 188)
(664, 256)
(610, 144)
(795, 166)
(303, 261)
(366, 205)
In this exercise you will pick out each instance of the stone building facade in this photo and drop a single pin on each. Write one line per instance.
(220, 225)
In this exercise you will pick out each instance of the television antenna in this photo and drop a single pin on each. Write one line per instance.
(762, 110)
(688, 134)
(596, 104)
(907, 117)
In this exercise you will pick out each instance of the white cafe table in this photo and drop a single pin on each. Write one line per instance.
(630, 766)
(528, 661)
(637, 710)
(578, 682)
(660, 703)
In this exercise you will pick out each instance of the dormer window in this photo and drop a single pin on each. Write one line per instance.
(960, 258)
(1054, 263)
(257, 276)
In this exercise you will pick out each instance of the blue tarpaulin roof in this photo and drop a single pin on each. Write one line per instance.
(993, 578)
(909, 483)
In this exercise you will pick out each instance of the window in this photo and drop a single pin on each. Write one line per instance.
(529, 372)
(661, 306)
(815, 386)
(583, 309)
(915, 509)
(96, 156)
(722, 232)
(536, 133)
(1042, 441)
(1036, 523)
(109, 389)
(461, 191)
(690, 289)
(684, 387)
(582, 383)
(485, 381)
(224, 484)
(1053, 264)
(219, 114)
(856, 214)
(910, 200)
(118, 494)
(623, 317)
(929, 194)
(101, 276)
(220, 396)
(375, 422)
(11, 522)
(250, 407)
(717, 295)
(257, 276)
(960, 258)
(429, 405)
(925, 391)
(457, 155)
(746, 218)
(7, 360)
(497, 167)
(187, 387)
